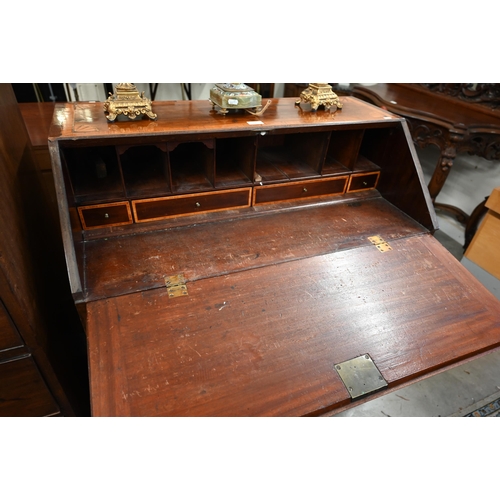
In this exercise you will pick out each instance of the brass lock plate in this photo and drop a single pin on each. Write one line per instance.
(360, 376)
(176, 286)
(379, 242)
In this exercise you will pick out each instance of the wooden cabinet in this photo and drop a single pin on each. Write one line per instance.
(31, 314)
(258, 256)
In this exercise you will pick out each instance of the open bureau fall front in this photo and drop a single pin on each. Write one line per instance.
(234, 265)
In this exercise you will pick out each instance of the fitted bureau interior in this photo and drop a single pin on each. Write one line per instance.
(98, 175)
(216, 205)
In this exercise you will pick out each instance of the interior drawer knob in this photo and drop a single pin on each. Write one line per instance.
(106, 216)
(198, 204)
(304, 190)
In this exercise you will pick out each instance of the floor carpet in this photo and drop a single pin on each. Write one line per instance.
(489, 410)
(488, 407)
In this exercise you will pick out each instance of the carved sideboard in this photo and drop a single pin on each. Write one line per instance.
(456, 117)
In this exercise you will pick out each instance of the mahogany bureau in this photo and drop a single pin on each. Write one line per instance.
(235, 265)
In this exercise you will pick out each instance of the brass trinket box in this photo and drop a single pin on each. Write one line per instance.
(236, 96)
(319, 94)
(128, 102)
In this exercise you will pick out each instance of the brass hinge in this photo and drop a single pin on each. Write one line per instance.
(382, 245)
(176, 285)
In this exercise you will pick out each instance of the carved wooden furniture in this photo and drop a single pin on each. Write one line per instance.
(242, 266)
(457, 118)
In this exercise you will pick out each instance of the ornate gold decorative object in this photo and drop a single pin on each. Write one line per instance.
(127, 102)
(236, 96)
(319, 94)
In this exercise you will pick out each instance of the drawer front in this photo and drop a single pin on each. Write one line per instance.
(23, 392)
(174, 206)
(360, 182)
(300, 190)
(110, 214)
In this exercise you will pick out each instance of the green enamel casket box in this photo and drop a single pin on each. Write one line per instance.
(235, 96)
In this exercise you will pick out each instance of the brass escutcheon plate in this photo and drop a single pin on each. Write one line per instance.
(360, 376)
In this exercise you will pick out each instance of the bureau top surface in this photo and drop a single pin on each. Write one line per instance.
(87, 119)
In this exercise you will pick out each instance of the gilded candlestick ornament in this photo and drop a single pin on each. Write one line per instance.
(128, 102)
(319, 94)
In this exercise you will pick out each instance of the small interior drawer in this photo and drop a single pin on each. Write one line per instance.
(300, 189)
(360, 182)
(106, 215)
(189, 204)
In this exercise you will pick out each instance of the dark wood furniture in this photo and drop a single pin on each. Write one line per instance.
(37, 117)
(228, 265)
(457, 118)
(30, 383)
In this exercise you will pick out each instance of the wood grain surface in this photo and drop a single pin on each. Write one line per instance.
(23, 392)
(265, 341)
(115, 266)
(87, 120)
(484, 247)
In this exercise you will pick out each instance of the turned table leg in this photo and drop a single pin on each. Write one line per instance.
(441, 172)
(443, 167)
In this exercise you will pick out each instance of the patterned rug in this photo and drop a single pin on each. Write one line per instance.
(487, 407)
(489, 410)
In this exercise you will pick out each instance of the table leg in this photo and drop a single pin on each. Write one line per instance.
(443, 167)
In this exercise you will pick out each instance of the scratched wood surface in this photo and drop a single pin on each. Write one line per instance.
(115, 266)
(265, 341)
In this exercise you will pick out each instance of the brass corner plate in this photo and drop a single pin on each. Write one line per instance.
(360, 376)
(379, 242)
(176, 286)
